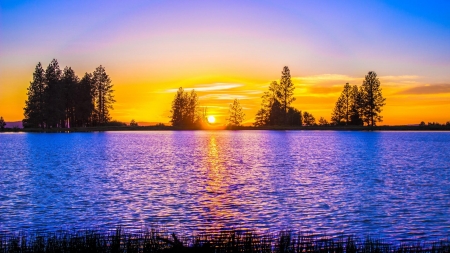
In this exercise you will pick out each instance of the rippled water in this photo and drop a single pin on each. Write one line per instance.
(395, 185)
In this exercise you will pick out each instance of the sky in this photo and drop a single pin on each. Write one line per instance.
(234, 49)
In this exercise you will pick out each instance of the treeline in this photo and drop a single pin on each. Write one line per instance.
(360, 106)
(60, 99)
(355, 106)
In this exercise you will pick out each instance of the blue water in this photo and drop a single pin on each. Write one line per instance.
(395, 185)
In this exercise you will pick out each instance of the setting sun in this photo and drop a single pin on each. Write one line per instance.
(211, 119)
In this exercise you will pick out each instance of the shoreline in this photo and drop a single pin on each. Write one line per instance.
(223, 128)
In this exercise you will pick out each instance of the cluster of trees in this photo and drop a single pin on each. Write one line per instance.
(276, 106)
(61, 99)
(359, 106)
(184, 112)
(434, 124)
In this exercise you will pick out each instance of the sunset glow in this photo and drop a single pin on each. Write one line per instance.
(234, 49)
(211, 119)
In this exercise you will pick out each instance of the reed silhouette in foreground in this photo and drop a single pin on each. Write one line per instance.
(225, 241)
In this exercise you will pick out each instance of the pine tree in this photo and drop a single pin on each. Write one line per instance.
(34, 105)
(236, 114)
(53, 100)
(338, 113)
(103, 94)
(373, 99)
(84, 106)
(2, 123)
(285, 92)
(69, 82)
(356, 106)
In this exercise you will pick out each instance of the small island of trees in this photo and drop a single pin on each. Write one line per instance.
(60, 99)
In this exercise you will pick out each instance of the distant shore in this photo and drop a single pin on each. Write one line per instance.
(240, 128)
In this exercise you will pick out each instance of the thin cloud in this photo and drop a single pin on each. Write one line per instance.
(209, 87)
(427, 89)
(224, 96)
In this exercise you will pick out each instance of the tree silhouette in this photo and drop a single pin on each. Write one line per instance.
(133, 123)
(103, 95)
(69, 82)
(236, 114)
(184, 109)
(2, 123)
(338, 113)
(323, 122)
(373, 99)
(54, 96)
(308, 119)
(285, 91)
(34, 105)
(84, 106)
(356, 107)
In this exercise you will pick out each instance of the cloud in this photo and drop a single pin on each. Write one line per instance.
(224, 97)
(427, 89)
(209, 87)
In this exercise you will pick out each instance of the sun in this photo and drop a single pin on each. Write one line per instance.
(211, 119)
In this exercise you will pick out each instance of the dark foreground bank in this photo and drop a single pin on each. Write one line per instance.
(229, 241)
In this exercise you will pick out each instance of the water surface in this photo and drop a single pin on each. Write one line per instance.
(395, 185)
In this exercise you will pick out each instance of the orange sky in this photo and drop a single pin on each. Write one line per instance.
(233, 50)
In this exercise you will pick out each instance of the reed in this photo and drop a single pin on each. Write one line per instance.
(120, 240)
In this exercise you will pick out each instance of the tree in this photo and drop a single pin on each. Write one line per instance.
(308, 119)
(356, 107)
(2, 123)
(84, 106)
(103, 95)
(338, 113)
(323, 122)
(373, 99)
(294, 117)
(184, 109)
(236, 114)
(54, 96)
(285, 92)
(69, 82)
(133, 123)
(34, 105)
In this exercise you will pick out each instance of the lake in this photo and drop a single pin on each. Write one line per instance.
(394, 185)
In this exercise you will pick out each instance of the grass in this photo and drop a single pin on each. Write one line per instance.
(121, 240)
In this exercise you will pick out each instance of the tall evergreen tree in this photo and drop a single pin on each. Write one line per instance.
(2, 123)
(373, 99)
(236, 114)
(54, 96)
(103, 94)
(338, 113)
(286, 91)
(84, 107)
(34, 105)
(69, 82)
(356, 107)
